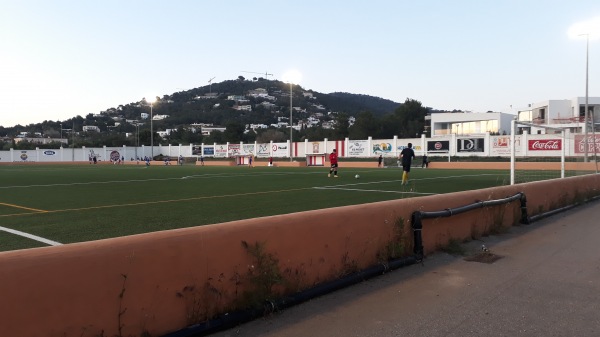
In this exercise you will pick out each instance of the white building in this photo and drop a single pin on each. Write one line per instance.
(209, 95)
(164, 134)
(268, 105)
(465, 123)
(88, 128)
(238, 99)
(246, 107)
(258, 92)
(207, 130)
(565, 113)
(258, 126)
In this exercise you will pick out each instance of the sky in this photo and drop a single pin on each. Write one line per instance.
(64, 58)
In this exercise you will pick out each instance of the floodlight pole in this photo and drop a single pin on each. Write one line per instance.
(151, 135)
(137, 139)
(73, 139)
(291, 124)
(585, 124)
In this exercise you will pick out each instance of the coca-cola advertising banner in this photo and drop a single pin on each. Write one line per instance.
(593, 142)
(545, 145)
(440, 145)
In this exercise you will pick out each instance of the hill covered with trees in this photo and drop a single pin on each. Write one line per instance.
(249, 109)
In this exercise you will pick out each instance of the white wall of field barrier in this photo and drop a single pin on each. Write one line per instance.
(484, 145)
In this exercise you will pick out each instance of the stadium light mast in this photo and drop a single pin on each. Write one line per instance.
(137, 139)
(151, 101)
(589, 29)
(293, 77)
(73, 139)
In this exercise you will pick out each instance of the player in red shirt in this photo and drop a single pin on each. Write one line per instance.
(333, 159)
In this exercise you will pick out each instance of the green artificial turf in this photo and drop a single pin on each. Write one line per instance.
(81, 203)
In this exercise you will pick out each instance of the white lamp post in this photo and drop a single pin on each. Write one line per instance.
(589, 29)
(293, 77)
(151, 101)
(137, 139)
(586, 118)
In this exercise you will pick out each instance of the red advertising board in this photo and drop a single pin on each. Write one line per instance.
(545, 145)
(593, 143)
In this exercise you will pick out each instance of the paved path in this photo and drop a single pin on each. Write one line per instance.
(546, 284)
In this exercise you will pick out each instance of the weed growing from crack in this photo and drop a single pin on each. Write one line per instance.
(263, 274)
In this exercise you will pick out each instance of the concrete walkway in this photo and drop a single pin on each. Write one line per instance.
(547, 283)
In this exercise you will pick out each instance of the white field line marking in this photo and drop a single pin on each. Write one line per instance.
(157, 179)
(22, 207)
(158, 202)
(360, 190)
(410, 180)
(213, 196)
(30, 236)
(341, 187)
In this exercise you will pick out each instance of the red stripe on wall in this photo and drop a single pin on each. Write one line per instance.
(340, 148)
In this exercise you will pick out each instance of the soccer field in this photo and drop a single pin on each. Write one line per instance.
(43, 205)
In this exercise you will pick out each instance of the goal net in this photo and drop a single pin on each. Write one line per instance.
(540, 152)
(441, 155)
(537, 152)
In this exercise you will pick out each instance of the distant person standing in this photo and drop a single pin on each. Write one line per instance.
(380, 161)
(271, 161)
(425, 162)
(250, 160)
(201, 160)
(406, 156)
(333, 160)
(180, 160)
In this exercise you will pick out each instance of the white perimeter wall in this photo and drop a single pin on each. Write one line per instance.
(481, 145)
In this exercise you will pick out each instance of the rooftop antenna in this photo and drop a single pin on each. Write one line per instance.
(210, 85)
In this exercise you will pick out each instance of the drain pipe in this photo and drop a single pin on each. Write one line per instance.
(230, 320)
(417, 216)
(540, 216)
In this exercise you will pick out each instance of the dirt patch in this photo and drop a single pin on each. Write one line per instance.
(483, 257)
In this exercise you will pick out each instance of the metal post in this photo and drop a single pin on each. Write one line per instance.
(137, 140)
(151, 135)
(291, 141)
(585, 124)
(73, 139)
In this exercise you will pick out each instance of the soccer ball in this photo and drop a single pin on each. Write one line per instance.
(357, 176)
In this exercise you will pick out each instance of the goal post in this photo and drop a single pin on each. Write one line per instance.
(242, 159)
(445, 154)
(538, 159)
(315, 159)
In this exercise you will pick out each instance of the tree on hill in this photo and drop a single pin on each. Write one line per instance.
(376, 117)
(411, 117)
(364, 126)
